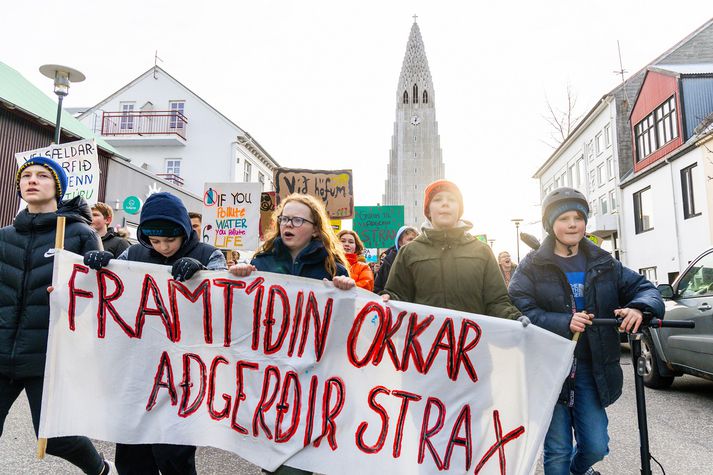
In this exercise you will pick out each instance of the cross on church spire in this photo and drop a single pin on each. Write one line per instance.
(415, 17)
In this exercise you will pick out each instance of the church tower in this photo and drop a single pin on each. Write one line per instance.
(415, 159)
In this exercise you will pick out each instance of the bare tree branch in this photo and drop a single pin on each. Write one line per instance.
(561, 121)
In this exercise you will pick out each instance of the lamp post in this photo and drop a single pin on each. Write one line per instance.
(491, 242)
(517, 222)
(62, 76)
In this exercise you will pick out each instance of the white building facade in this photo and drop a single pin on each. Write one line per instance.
(587, 161)
(667, 214)
(168, 130)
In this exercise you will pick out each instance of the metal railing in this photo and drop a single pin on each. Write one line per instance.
(144, 123)
(173, 178)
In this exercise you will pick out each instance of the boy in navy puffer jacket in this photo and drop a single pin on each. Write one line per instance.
(26, 262)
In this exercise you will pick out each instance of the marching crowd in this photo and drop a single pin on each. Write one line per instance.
(562, 287)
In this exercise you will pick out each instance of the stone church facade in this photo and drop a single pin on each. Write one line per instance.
(415, 158)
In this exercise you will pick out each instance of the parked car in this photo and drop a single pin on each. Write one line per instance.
(671, 352)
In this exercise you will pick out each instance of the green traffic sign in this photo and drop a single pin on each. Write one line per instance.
(132, 204)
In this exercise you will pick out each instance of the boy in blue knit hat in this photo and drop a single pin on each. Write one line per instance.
(562, 287)
(26, 257)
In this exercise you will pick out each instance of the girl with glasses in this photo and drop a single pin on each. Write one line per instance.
(302, 243)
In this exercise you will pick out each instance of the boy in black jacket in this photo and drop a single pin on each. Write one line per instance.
(26, 260)
(165, 237)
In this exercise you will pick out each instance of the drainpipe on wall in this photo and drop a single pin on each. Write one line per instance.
(675, 219)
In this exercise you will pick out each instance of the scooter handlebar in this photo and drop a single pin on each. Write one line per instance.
(653, 323)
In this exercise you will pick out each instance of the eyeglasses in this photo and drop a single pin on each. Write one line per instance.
(294, 221)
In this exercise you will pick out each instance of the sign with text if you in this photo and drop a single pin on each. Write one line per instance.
(377, 225)
(287, 370)
(231, 215)
(80, 161)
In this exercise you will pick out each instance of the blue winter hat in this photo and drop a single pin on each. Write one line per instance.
(60, 176)
(163, 215)
(563, 207)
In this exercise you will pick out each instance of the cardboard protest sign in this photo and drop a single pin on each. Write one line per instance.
(231, 215)
(377, 225)
(267, 208)
(80, 161)
(334, 187)
(287, 370)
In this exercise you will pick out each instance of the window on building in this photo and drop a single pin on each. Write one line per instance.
(590, 149)
(603, 204)
(592, 179)
(126, 122)
(612, 200)
(610, 168)
(643, 210)
(425, 97)
(572, 175)
(247, 171)
(173, 166)
(600, 174)
(656, 129)
(177, 108)
(415, 94)
(607, 135)
(593, 207)
(649, 273)
(261, 180)
(581, 173)
(688, 190)
(598, 145)
(405, 100)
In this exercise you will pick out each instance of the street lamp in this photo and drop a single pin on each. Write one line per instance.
(62, 76)
(491, 242)
(517, 222)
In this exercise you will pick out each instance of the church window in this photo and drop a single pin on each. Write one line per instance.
(405, 101)
(415, 94)
(425, 97)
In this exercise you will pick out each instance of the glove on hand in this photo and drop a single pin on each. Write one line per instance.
(524, 320)
(97, 259)
(185, 267)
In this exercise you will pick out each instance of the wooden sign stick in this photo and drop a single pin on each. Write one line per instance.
(58, 244)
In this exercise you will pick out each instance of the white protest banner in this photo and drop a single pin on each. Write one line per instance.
(286, 370)
(80, 161)
(231, 215)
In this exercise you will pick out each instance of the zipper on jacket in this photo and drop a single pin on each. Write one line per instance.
(23, 296)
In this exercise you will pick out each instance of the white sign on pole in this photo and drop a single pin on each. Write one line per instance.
(287, 370)
(231, 215)
(80, 161)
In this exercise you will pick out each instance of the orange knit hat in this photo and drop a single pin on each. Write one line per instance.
(436, 187)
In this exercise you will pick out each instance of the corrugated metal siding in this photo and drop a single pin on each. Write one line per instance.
(698, 101)
(19, 133)
(16, 134)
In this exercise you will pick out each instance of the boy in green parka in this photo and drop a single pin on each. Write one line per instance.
(446, 266)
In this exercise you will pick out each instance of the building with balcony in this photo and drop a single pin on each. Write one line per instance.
(668, 196)
(27, 118)
(168, 130)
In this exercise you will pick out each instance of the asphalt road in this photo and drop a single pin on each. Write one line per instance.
(680, 432)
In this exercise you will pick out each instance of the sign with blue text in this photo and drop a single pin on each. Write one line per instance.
(231, 215)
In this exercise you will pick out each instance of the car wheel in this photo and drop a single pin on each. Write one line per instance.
(652, 375)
